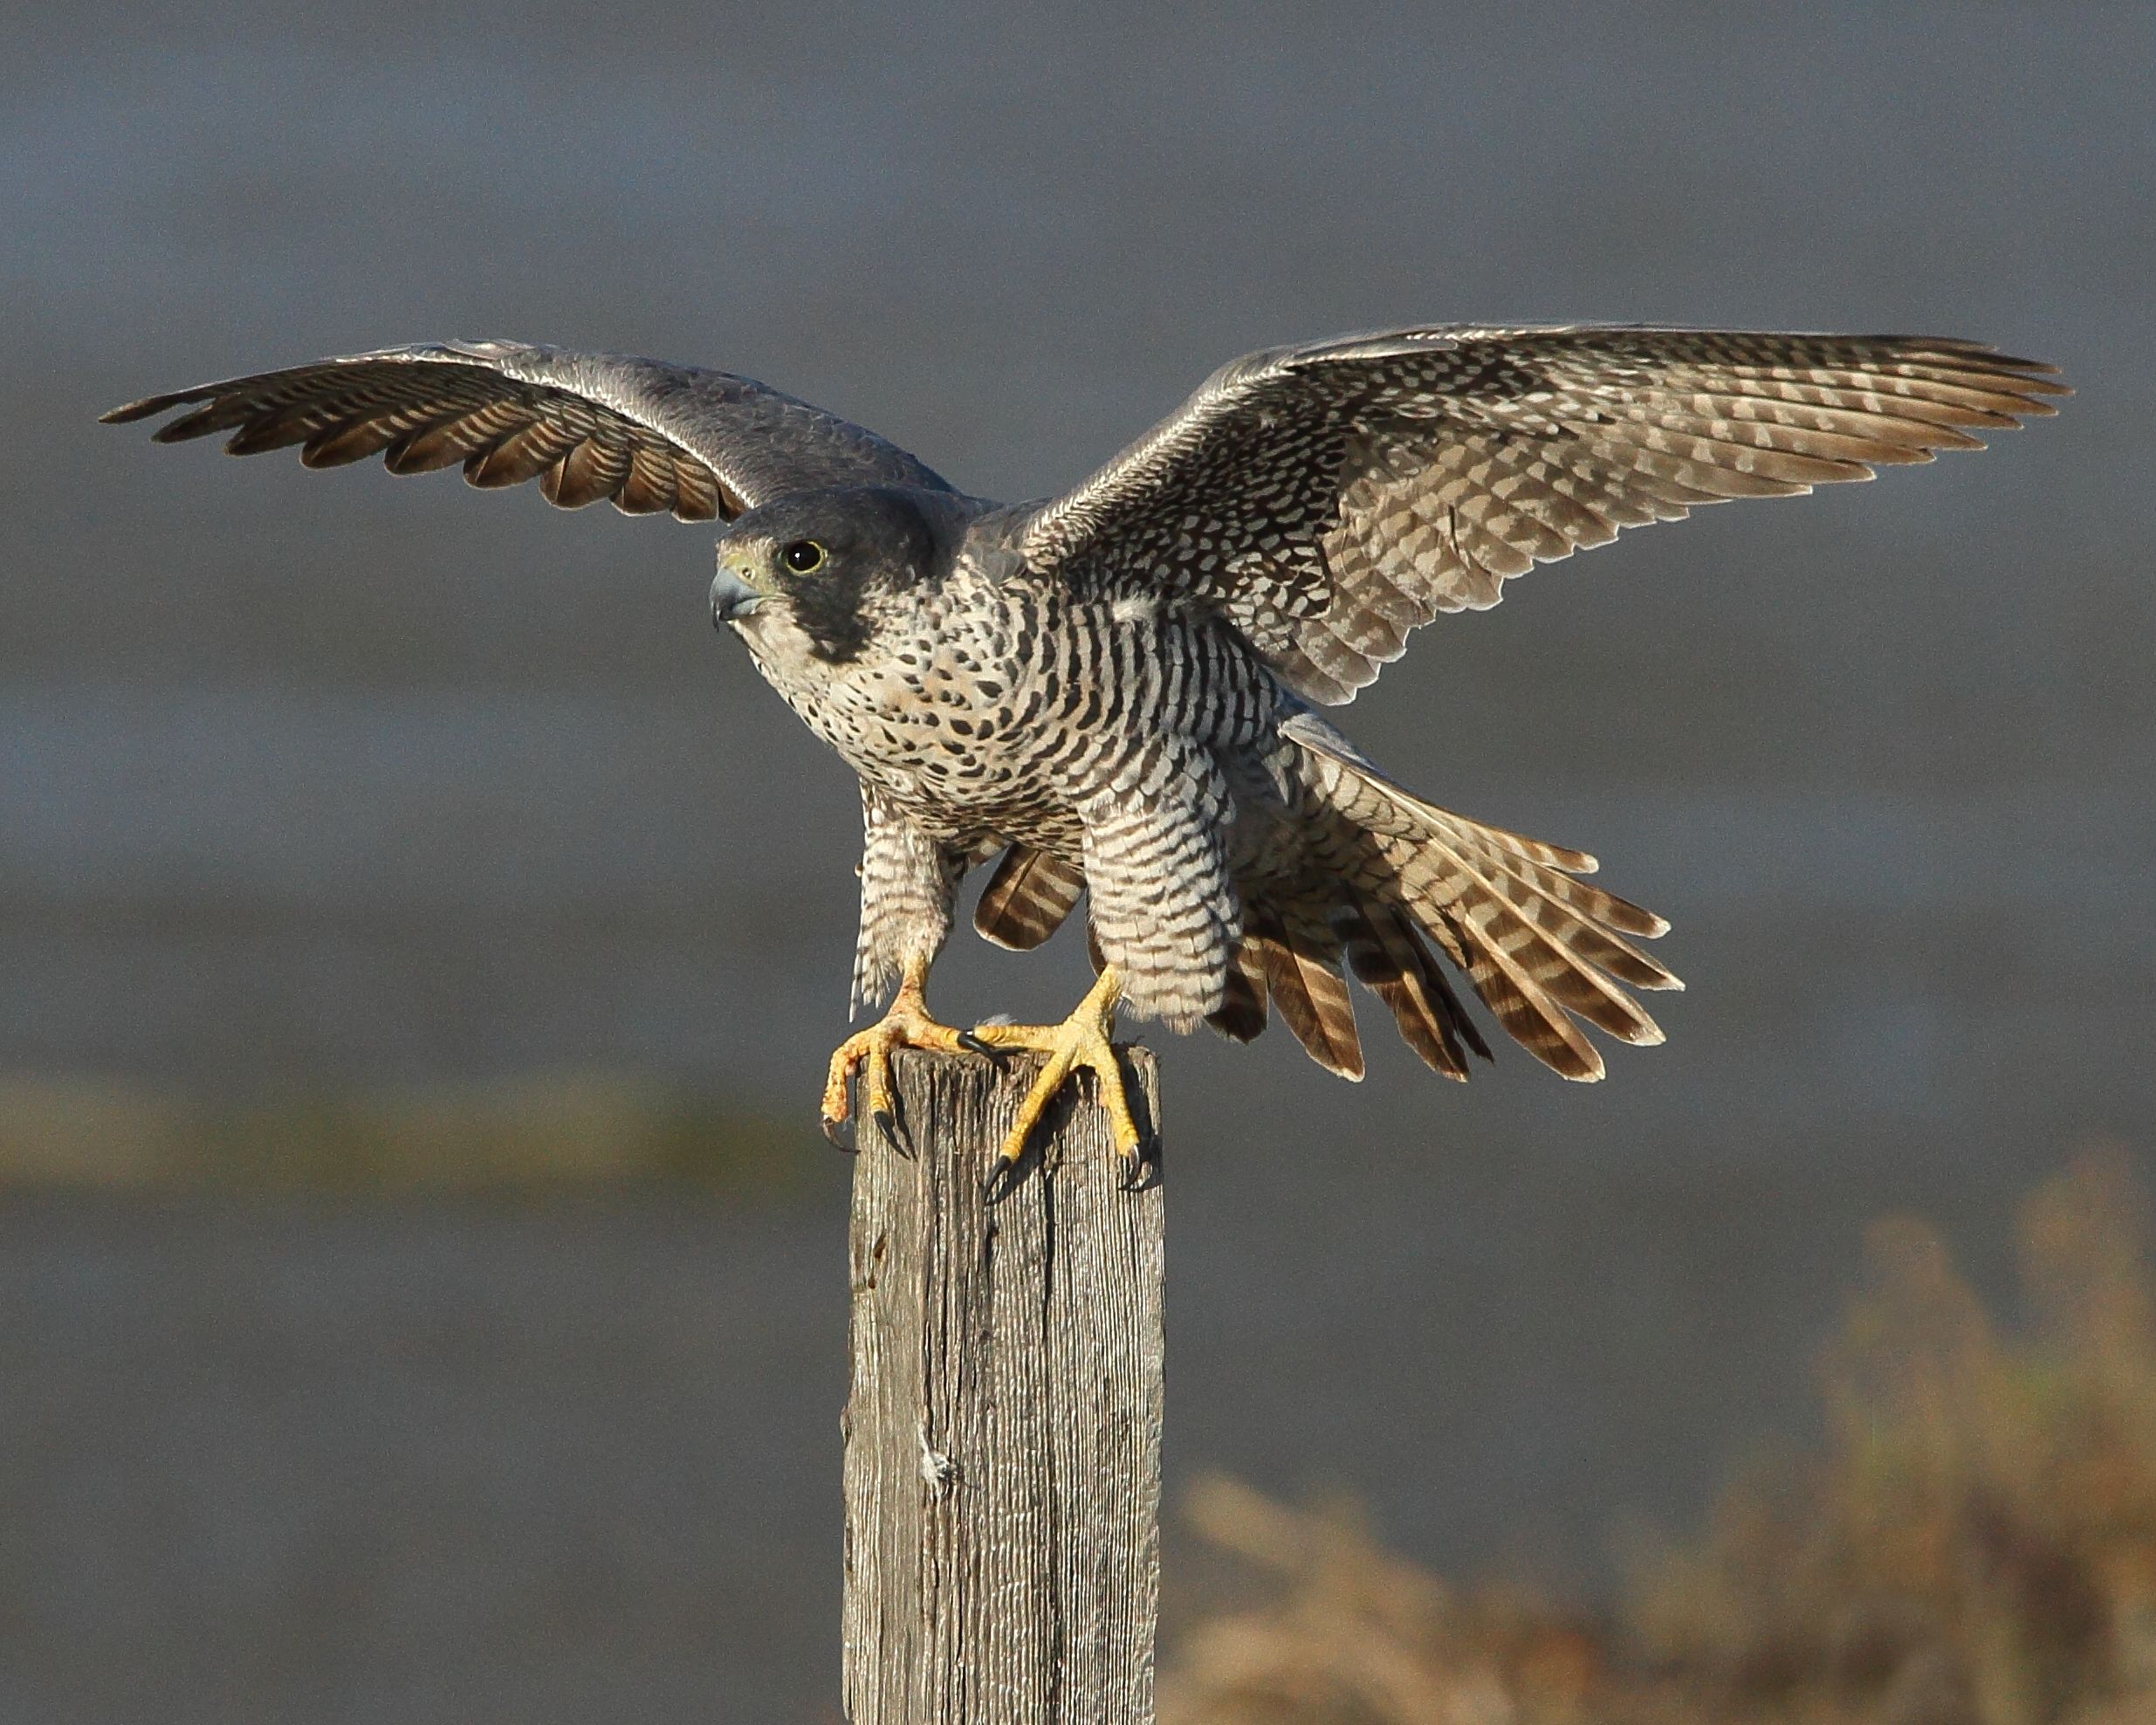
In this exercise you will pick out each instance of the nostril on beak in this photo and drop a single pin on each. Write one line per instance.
(732, 598)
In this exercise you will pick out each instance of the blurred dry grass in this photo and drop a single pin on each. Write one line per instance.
(535, 1131)
(1973, 1539)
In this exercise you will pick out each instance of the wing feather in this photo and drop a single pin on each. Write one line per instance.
(1330, 498)
(593, 470)
(653, 437)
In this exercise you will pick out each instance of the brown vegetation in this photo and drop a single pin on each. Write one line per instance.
(1973, 1539)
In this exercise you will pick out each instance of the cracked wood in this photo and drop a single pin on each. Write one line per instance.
(1002, 1468)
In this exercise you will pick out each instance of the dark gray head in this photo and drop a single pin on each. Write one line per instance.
(821, 561)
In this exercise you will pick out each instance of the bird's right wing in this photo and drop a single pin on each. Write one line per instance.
(1328, 500)
(651, 436)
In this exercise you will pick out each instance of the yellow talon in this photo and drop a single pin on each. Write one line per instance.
(1083, 1039)
(907, 1025)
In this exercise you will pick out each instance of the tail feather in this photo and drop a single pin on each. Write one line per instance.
(1591, 902)
(1528, 1015)
(1026, 899)
(1241, 1016)
(1568, 911)
(1516, 844)
(1300, 955)
(1437, 987)
(1388, 957)
(1545, 960)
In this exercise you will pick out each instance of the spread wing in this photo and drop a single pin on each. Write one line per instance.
(651, 436)
(1330, 498)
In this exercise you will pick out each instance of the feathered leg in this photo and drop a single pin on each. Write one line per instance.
(908, 882)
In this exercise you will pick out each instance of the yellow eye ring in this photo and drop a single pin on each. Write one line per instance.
(803, 557)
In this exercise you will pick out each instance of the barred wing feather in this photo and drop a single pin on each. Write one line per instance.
(648, 436)
(1330, 498)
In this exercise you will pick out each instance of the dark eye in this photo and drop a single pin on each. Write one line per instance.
(804, 557)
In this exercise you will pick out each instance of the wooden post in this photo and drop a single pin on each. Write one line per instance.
(1003, 1429)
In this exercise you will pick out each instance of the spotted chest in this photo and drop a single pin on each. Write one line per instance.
(924, 714)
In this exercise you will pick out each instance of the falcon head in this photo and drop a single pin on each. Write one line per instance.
(812, 572)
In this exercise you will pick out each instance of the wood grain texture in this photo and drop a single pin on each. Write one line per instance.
(1003, 1427)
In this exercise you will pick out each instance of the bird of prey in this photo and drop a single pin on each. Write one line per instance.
(1115, 692)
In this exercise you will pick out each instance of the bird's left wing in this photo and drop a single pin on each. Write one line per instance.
(1330, 498)
(651, 436)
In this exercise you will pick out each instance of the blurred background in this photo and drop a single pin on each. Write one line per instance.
(421, 1287)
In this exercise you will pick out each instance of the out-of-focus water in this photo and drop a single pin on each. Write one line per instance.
(329, 777)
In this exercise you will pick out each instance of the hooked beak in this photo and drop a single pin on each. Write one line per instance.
(732, 598)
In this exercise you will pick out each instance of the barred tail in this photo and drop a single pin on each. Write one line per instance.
(1544, 950)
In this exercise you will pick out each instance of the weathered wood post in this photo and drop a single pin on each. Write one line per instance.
(1003, 1428)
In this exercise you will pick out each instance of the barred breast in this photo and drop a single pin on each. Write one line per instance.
(1001, 706)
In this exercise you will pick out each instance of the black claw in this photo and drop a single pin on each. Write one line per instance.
(887, 1121)
(836, 1133)
(1141, 1166)
(973, 1045)
(1000, 1179)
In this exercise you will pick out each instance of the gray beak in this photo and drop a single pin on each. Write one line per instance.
(732, 598)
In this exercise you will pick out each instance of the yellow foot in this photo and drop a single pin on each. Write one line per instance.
(906, 1026)
(1080, 1040)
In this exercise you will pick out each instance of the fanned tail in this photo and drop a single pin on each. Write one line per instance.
(1538, 962)
(1546, 951)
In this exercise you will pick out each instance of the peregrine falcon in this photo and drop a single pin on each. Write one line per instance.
(1114, 692)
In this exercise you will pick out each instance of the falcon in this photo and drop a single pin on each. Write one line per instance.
(1115, 693)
